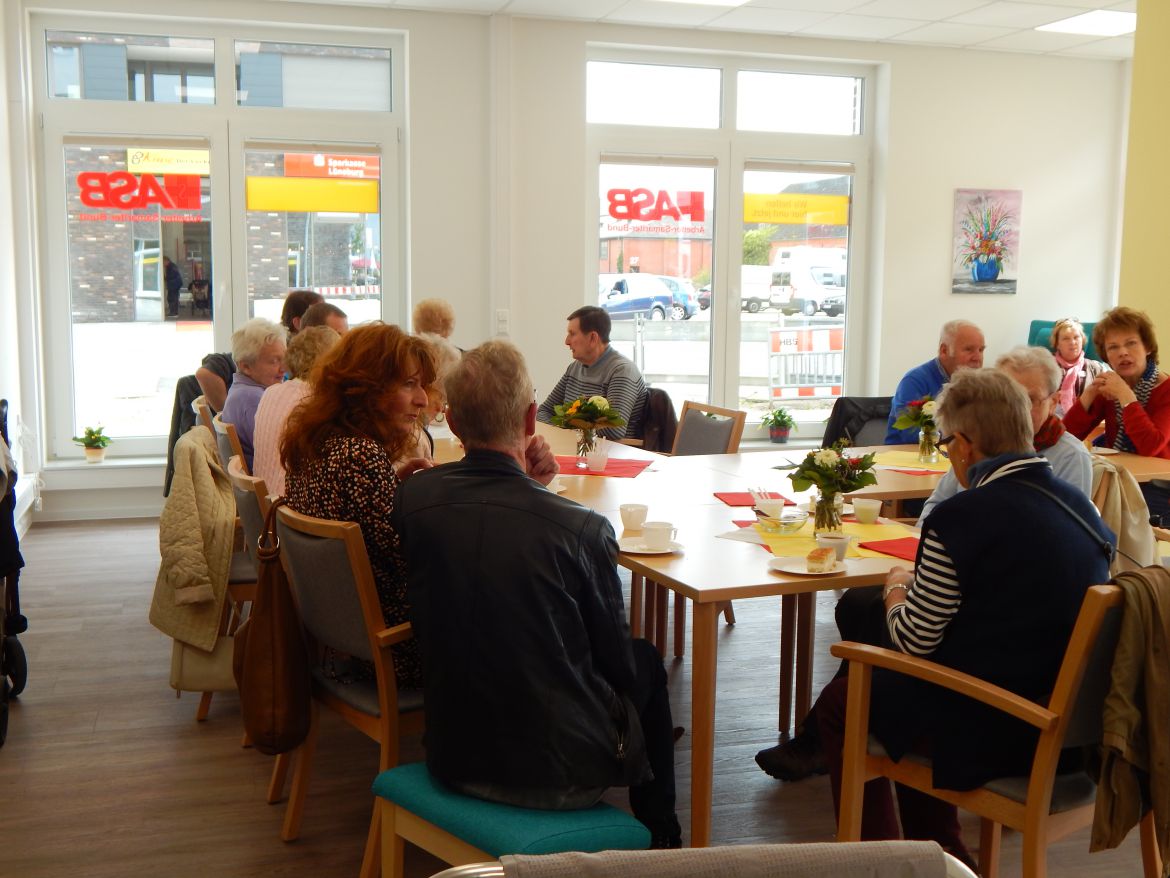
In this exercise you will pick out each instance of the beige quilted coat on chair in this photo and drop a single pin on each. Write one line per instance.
(195, 538)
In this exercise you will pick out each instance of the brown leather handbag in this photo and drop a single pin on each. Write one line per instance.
(271, 660)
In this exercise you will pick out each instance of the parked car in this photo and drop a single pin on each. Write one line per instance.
(624, 296)
(833, 304)
(755, 288)
(686, 300)
(705, 297)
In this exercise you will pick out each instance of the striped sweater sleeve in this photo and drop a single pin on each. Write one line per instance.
(625, 393)
(917, 624)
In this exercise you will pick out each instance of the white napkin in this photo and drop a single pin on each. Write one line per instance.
(743, 535)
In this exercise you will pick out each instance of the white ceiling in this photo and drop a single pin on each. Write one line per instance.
(1001, 25)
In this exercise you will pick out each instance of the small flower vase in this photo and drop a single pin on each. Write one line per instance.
(827, 513)
(928, 445)
(586, 442)
(94, 455)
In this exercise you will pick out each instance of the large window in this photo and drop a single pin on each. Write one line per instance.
(165, 240)
(680, 140)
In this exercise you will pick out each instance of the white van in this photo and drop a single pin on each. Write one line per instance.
(803, 276)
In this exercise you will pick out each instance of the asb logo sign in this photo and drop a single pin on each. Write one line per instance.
(122, 190)
(643, 205)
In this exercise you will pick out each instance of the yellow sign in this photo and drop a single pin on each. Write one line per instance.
(304, 194)
(168, 161)
(796, 209)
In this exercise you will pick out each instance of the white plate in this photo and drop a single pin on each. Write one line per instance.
(800, 566)
(1101, 449)
(634, 546)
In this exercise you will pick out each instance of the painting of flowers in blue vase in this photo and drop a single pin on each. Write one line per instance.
(986, 240)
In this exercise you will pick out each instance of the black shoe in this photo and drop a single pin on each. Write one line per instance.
(668, 838)
(679, 731)
(796, 759)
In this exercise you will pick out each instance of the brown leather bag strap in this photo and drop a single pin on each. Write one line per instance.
(269, 545)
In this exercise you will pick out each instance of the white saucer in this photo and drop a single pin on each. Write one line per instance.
(634, 546)
(800, 566)
(1102, 449)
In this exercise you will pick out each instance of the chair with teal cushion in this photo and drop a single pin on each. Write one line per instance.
(460, 829)
(1040, 331)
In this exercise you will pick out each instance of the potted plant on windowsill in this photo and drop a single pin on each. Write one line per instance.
(94, 441)
(779, 423)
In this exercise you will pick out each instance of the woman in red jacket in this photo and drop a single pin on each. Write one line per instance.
(1133, 399)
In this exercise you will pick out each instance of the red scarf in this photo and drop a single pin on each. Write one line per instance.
(1049, 433)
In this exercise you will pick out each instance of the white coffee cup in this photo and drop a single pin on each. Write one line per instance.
(633, 514)
(867, 511)
(839, 543)
(657, 535)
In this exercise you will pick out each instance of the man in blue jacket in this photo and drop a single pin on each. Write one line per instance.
(960, 346)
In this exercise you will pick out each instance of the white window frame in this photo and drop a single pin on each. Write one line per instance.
(731, 152)
(226, 129)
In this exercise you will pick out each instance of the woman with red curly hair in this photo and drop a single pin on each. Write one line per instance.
(339, 446)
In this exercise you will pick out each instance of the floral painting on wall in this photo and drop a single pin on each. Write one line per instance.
(986, 241)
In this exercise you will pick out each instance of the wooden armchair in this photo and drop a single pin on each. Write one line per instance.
(228, 443)
(330, 575)
(1044, 806)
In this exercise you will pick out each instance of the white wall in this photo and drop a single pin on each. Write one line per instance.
(953, 119)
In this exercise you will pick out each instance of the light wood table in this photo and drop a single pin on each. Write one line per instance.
(1143, 469)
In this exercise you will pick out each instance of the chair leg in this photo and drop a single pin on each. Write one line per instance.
(300, 782)
(990, 834)
(680, 625)
(393, 847)
(1151, 856)
(1034, 856)
(372, 859)
(204, 707)
(279, 773)
(728, 613)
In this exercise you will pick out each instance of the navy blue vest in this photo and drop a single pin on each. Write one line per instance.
(1023, 564)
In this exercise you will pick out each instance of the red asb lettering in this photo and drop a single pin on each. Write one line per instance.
(642, 204)
(123, 190)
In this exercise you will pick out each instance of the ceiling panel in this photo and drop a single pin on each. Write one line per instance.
(946, 34)
(775, 21)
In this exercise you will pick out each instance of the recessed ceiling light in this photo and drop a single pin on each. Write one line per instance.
(1098, 23)
(707, 2)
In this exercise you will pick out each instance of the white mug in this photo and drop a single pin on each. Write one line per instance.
(867, 511)
(839, 543)
(633, 514)
(657, 535)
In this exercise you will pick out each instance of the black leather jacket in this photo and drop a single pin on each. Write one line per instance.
(517, 603)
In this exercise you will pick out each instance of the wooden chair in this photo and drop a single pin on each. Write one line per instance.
(1044, 806)
(227, 440)
(702, 429)
(203, 412)
(331, 579)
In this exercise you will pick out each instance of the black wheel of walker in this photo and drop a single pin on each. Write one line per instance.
(15, 665)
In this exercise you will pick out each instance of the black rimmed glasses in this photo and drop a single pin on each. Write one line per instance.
(945, 441)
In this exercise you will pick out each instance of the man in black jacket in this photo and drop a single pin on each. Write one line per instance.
(535, 694)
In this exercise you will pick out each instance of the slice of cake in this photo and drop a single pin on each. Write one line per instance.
(821, 560)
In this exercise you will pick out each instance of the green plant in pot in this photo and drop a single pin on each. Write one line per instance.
(94, 441)
(779, 423)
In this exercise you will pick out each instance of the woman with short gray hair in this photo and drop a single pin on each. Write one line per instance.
(258, 349)
(1001, 571)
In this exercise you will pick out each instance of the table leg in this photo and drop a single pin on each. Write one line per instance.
(661, 604)
(704, 643)
(635, 605)
(787, 644)
(680, 625)
(650, 613)
(806, 615)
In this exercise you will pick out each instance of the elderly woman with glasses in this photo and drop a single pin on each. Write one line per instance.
(1001, 571)
(1068, 344)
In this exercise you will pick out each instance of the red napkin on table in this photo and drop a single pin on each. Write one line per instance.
(618, 467)
(902, 547)
(918, 472)
(744, 498)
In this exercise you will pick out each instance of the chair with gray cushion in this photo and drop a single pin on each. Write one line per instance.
(707, 429)
(330, 575)
(227, 441)
(860, 420)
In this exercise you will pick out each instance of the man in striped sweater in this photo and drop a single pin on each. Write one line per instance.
(598, 370)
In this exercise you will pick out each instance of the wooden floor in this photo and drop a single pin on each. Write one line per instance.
(105, 773)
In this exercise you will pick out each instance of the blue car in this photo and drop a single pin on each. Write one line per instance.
(625, 296)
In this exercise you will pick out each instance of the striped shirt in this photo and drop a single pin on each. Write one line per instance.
(612, 376)
(917, 624)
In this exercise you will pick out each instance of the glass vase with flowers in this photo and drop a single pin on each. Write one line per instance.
(920, 413)
(587, 415)
(834, 473)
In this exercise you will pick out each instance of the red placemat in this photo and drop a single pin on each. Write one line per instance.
(618, 467)
(919, 472)
(903, 547)
(744, 498)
